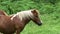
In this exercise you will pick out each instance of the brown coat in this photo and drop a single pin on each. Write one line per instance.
(6, 25)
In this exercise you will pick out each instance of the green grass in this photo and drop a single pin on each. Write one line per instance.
(51, 25)
(49, 9)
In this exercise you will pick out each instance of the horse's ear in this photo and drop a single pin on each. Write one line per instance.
(34, 11)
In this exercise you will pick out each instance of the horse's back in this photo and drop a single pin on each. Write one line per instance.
(3, 13)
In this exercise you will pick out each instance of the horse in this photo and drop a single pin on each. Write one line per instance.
(22, 18)
(3, 13)
(16, 23)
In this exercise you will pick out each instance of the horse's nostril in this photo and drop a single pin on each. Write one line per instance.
(40, 24)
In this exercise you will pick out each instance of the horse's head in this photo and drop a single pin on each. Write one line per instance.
(35, 17)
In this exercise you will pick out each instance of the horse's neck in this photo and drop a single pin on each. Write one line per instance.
(23, 17)
(23, 21)
(26, 21)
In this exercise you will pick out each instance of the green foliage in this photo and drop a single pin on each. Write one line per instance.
(13, 6)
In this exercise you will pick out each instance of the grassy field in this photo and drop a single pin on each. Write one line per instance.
(49, 9)
(51, 25)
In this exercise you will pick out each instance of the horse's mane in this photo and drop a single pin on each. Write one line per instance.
(24, 14)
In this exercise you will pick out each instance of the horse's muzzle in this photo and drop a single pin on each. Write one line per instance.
(39, 24)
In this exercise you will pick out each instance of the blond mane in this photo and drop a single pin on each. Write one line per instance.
(24, 14)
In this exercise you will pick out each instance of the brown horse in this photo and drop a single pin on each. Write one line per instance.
(22, 18)
(3, 13)
(16, 23)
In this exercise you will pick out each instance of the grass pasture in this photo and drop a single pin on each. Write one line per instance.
(49, 10)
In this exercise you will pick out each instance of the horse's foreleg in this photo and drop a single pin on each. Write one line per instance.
(18, 31)
(8, 33)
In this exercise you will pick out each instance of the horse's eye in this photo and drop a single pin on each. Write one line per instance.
(36, 16)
